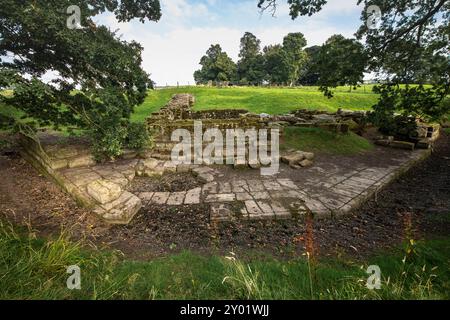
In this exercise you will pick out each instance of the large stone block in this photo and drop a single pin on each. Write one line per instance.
(402, 145)
(104, 191)
(81, 161)
(125, 208)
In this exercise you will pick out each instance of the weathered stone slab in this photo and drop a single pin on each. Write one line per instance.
(224, 187)
(123, 213)
(239, 186)
(221, 197)
(169, 166)
(252, 207)
(279, 209)
(146, 196)
(344, 192)
(193, 196)
(316, 206)
(260, 195)
(332, 203)
(297, 194)
(176, 198)
(298, 159)
(287, 183)
(206, 177)
(255, 185)
(306, 163)
(146, 166)
(272, 185)
(265, 207)
(349, 187)
(243, 196)
(120, 180)
(220, 212)
(58, 164)
(184, 168)
(202, 170)
(123, 198)
(160, 197)
(210, 188)
(402, 145)
(103, 191)
(359, 182)
(81, 161)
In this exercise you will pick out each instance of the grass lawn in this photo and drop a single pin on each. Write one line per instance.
(33, 268)
(272, 101)
(323, 141)
(261, 100)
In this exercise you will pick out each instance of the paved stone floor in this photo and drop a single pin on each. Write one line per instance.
(327, 189)
(324, 192)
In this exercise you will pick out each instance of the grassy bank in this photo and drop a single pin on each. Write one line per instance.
(323, 141)
(261, 100)
(254, 99)
(33, 268)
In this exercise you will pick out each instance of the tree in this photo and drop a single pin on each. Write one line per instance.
(309, 76)
(98, 77)
(250, 67)
(216, 65)
(295, 56)
(408, 44)
(275, 64)
(339, 62)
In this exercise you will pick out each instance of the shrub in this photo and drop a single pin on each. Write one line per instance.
(401, 127)
(137, 136)
(107, 142)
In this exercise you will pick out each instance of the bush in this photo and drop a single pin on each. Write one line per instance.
(410, 102)
(401, 127)
(107, 142)
(137, 137)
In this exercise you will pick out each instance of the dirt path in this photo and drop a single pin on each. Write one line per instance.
(419, 201)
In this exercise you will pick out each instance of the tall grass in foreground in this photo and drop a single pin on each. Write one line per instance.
(33, 268)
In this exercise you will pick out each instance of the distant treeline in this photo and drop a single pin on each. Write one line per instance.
(339, 61)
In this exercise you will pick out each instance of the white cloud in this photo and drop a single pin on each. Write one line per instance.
(174, 56)
(173, 47)
(178, 11)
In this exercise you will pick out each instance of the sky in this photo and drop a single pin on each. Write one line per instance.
(174, 45)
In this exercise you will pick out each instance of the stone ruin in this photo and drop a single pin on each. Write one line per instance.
(104, 187)
(179, 114)
(341, 121)
(427, 134)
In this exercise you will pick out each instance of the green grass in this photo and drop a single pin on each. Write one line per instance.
(261, 100)
(33, 268)
(254, 99)
(323, 141)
